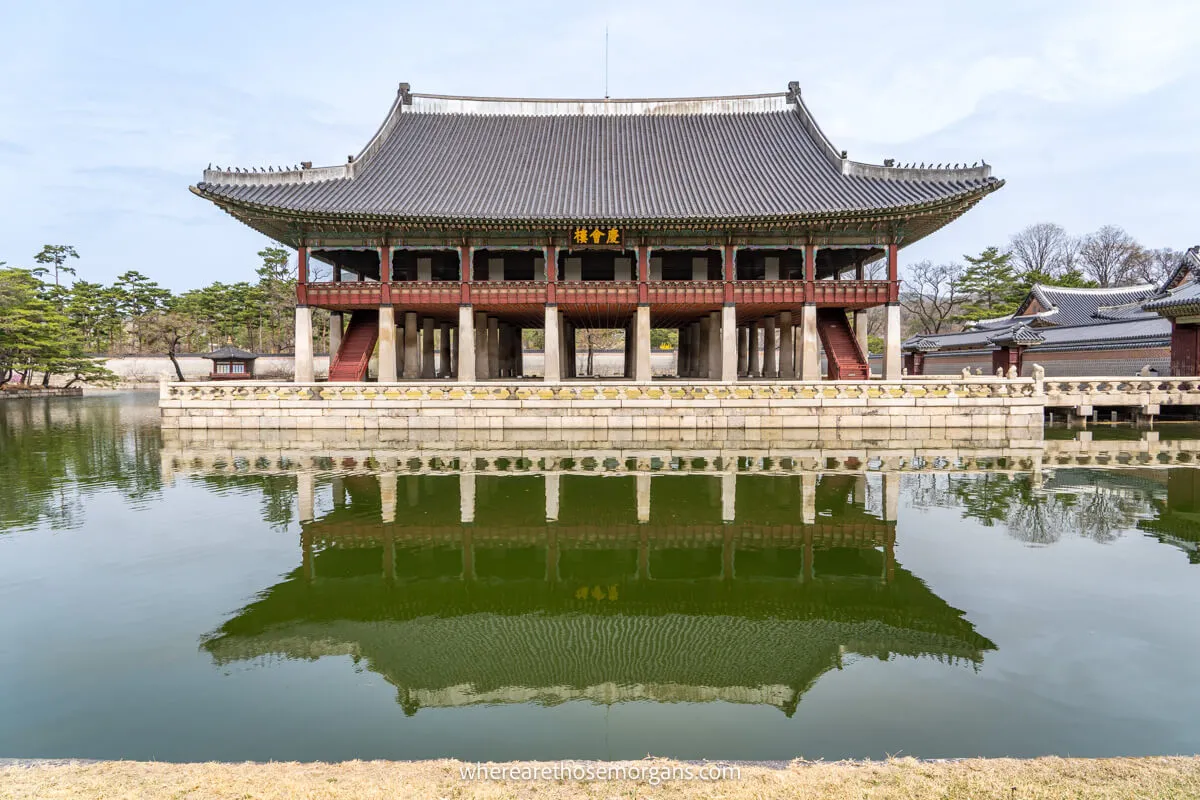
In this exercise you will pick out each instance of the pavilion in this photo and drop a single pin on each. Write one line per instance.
(464, 221)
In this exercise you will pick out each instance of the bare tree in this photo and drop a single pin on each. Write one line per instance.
(1110, 256)
(1158, 265)
(1043, 248)
(931, 298)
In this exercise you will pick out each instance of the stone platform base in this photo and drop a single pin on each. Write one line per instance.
(602, 406)
(25, 394)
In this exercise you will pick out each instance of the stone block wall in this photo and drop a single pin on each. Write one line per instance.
(550, 410)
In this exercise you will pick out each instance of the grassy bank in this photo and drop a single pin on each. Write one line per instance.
(977, 779)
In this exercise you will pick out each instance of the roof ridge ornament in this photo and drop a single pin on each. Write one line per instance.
(405, 93)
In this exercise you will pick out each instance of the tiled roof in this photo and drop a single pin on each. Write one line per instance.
(1186, 295)
(444, 159)
(229, 351)
(1140, 331)
(1019, 335)
(1080, 306)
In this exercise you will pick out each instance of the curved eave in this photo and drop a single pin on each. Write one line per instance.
(952, 206)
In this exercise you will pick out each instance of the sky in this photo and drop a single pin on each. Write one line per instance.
(110, 111)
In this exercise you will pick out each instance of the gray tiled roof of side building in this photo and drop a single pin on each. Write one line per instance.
(1186, 295)
(430, 164)
(1079, 306)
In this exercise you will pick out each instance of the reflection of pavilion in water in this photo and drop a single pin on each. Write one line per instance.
(467, 588)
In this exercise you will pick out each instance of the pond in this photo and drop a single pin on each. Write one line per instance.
(262, 598)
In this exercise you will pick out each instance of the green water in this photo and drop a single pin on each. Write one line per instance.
(160, 603)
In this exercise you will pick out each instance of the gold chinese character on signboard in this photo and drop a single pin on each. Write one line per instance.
(596, 236)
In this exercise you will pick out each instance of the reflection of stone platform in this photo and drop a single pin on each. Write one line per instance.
(918, 404)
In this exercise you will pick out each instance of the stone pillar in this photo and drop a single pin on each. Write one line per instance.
(810, 344)
(454, 352)
(753, 369)
(787, 347)
(770, 354)
(704, 347)
(427, 371)
(305, 497)
(444, 350)
(481, 346)
(808, 497)
(412, 355)
(641, 372)
(714, 346)
(727, 366)
(891, 344)
(387, 496)
(466, 496)
(493, 347)
(643, 497)
(552, 496)
(860, 330)
(891, 496)
(304, 345)
(627, 365)
(387, 344)
(743, 355)
(466, 344)
(728, 496)
(551, 352)
(336, 327)
(519, 353)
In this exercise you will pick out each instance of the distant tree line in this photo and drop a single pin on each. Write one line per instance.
(50, 327)
(940, 298)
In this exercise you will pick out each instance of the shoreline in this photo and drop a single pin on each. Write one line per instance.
(1045, 777)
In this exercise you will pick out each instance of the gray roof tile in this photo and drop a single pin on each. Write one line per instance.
(689, 164)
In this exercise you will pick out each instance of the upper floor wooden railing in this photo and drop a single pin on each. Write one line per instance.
(370, 294)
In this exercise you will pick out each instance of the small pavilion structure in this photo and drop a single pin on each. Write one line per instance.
(464, 221)
(231, 363)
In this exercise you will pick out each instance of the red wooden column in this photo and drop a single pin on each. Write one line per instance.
(810, 273)
(550, 253)
(643, 273)
(302, 275)
(385, 274)
(727, 268)
(893, 274)
(464, 274)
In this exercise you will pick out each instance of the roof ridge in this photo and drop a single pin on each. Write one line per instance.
(1094, 289)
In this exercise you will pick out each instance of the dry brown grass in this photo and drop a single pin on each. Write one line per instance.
(977, 779)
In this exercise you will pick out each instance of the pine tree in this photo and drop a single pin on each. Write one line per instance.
(990, 285)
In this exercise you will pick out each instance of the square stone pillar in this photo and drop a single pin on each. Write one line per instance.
(641, 339)
(727, 367)
(704, 347)
(493, 347)
(466, 344)
(787, 347)
(743, 357)
(860, 331)
(891, 344)
(714, 345)
(753, 365)
(770, 351)
(443, 370)
(336, 328)
(427, 365)
(412, 354)
(627, 366)
(809, 344)
(387, 344)
(304, 345)
(551, 350)
(481, 346)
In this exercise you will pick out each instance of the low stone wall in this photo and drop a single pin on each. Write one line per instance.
(551, 409)
(60, 391)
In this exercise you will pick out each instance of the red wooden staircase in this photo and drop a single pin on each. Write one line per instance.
(846, 360)
(358, 343)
